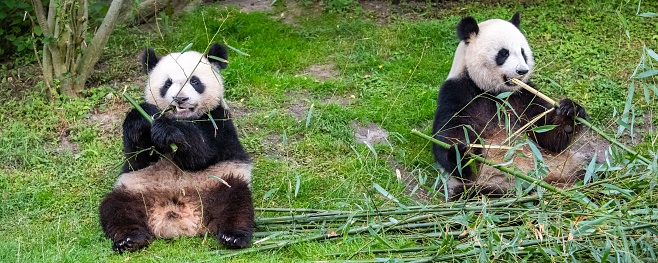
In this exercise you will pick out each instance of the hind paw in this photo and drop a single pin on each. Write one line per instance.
(234, 238)
(136, 240)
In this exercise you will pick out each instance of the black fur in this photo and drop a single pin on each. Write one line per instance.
(219, 51)
(149, 60)
(125, 222)
(516, 20)
(199, 144)
(466, 28)
(462, 103)
(233, 220)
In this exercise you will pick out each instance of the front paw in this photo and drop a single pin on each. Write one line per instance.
(570, 109)
(136, 240)
(234, 238)
(164, 133)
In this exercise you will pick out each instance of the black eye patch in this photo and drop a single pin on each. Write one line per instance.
(525, 58)
(165, 88)
(197, 85)
(501, 57)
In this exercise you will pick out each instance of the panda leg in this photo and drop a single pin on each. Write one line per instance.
(123, 217)
(230, 212)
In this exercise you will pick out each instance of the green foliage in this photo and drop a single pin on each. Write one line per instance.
(16, 28)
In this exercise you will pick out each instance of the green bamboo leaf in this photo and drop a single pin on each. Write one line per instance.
(372, 149)
(218, 58)
(647, 74)
(308, 116)
(269, 193)
(374, 234)
(652, 54)
(297, 183)
(186, 48)
(236, 50)
(459, 160)
(544, 128)
(648, 14)
(535, 151)
(616, 189)
(591, 170)
(504, 95)
(385, 193)
(647, 96)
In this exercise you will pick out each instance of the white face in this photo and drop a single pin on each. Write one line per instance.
(186, 83)
(496, 54)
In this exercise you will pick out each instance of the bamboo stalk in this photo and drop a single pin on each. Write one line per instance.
(583, 121)
(141, 111)
(519, 175)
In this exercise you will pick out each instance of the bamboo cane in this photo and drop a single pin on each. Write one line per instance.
(583, 121)
(141, 111)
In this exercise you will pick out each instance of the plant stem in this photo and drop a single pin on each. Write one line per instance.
(141, 111)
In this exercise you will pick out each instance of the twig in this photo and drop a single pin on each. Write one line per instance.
(141, 111)
(584, 122)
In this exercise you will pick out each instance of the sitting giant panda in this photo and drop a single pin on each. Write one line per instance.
(203, 186)
(479, 99)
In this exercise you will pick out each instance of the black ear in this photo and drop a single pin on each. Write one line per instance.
(149, 59)
(218, 51)
(516, 20)
(466, 28)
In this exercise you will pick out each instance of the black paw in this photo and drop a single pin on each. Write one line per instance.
(135, 241)
(164, 132)
(570, 109)
(234, 238)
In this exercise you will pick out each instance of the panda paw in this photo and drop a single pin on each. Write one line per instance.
(164, 133)
(571, 109)
(134, 241)
(234, 238)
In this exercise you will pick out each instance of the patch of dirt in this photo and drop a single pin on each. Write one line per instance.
(65, 145)
(300, 105)
(589, 143)
(372, 133)
(381, 10)
(248, 6)
(238, 110)
(109, 118)
(340, 100)
(322, 72)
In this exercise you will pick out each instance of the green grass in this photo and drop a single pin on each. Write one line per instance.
(388, 74)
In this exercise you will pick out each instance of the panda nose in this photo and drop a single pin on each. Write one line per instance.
(522, 71)
(181, 99)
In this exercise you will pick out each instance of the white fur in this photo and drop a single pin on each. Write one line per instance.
(180, 67)
(478, 57)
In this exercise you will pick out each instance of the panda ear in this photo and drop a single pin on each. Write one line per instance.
(218, 51)
(149, 60)
(467, 27)
(516, 20)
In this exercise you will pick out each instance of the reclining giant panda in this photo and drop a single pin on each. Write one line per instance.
(478, 103)
(203, 186)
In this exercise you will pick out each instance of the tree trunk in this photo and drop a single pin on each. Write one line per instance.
(67, 61)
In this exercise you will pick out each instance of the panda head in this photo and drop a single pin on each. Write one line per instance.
(186, 85)
(493, 52)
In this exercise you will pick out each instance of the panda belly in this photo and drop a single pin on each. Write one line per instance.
(564, 168)
(174, 199)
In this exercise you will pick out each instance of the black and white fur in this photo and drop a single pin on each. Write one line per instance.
(202, 187)
(487, 57)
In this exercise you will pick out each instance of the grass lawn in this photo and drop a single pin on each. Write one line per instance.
(318, 81)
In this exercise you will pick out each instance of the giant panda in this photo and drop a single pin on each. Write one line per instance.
(203, 186)
(478, 104)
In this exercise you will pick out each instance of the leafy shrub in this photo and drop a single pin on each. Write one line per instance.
(15, 27)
